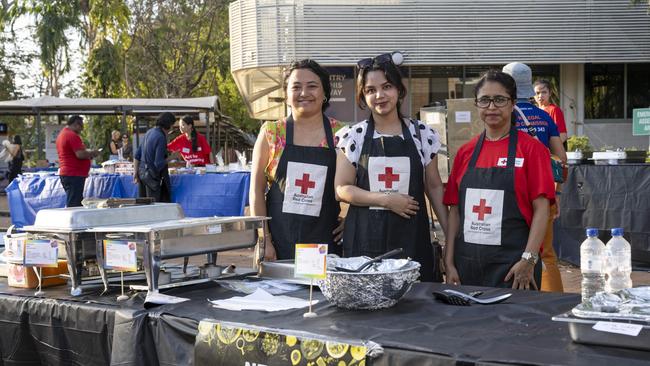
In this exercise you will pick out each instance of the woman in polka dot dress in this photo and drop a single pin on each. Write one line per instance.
(385, 166)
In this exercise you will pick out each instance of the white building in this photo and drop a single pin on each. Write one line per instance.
(596, 52)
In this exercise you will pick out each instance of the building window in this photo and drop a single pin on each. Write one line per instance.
(612, 91)
(638, 87)
(604, 91)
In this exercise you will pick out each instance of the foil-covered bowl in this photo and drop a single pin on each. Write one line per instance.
(381, 286)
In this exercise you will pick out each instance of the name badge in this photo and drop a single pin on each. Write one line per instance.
(519, 162)
(185, 150)
(305, 185)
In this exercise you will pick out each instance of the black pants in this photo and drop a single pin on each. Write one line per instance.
(162, 194)
(74, 190)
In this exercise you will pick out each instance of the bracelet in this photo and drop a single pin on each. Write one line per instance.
(558, 193)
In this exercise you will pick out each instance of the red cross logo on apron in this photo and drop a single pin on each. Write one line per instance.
(388, 178)
(482, 209)
(305, 183)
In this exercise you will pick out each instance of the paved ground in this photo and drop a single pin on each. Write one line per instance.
(244, 258)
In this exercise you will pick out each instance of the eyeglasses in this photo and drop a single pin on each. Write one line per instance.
(382, 59)
(499, 101)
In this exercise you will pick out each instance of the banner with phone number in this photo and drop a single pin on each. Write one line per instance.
(219, 343)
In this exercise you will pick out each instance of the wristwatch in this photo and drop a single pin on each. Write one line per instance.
(530, 257)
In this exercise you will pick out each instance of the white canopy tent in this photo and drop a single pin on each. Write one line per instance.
(48, 105)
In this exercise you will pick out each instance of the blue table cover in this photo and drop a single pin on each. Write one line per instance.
(222, 194)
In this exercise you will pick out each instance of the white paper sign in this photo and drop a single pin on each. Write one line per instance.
(305, 186)
(311, 260)
(618, 328)
(41, 253)
(389, 175)
(463, 117)
(483, 214)
(120, 255)
(14, 249)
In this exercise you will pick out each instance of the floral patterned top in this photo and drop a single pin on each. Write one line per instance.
(276, 137)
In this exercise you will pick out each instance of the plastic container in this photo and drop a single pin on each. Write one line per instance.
(619, 262)
(592, 264)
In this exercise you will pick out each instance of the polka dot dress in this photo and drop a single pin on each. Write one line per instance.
(350, 141)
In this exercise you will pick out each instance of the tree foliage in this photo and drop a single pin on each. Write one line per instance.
(131, 49)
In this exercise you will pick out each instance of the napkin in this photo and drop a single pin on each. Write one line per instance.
(262, 301)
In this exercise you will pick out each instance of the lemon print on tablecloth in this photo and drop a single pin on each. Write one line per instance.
(250, 335)
(311, 348)
(358, 352)
(295, 357)
(341, 363)
(336, 350)
(270, 344)
(227, 335)
(291, 341)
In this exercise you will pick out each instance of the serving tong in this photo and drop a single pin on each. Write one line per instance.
(454, 297)
(367, 264)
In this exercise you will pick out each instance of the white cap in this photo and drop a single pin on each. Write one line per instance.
(523, 77)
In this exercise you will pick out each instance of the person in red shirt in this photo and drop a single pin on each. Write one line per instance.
(543, 99)
(74, 160)
(498, 192)
(193, 146)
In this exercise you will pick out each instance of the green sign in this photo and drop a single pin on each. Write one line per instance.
(641, 122)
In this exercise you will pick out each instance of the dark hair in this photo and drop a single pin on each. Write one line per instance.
(18, 140)
(317, 69)
(165, 120)
(74, 119)
(505, 80)
(392, 74)
(190, 121)
(544, 83)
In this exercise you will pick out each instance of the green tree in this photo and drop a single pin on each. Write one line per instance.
(182, 49)
(53, 18)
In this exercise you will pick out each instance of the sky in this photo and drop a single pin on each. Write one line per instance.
(27, 77)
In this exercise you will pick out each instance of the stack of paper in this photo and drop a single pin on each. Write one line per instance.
(262, 301)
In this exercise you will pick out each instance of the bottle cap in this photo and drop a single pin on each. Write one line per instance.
(617, 231)
(592, 231)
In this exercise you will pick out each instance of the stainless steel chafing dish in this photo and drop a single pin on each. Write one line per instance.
(70, 225)
(180, 238)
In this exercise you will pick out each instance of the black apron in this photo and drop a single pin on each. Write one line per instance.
(288, 228)
(372, 232)
(488, 265)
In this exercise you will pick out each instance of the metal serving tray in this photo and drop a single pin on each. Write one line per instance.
(64, 220)
(179, 238)
(581, 330)
(70, 225)
(282, 269)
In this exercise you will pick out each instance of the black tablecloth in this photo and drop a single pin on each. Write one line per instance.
(605, 197)
(95, 330)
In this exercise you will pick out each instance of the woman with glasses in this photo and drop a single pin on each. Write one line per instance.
(499, 192)
(385, 167)
(294, 161)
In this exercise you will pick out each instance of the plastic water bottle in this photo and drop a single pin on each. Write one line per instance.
(592, 264)
(619, 262)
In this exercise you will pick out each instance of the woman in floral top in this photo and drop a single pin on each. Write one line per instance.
(294, 161)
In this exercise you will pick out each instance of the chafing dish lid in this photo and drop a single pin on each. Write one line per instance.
(80, 218)
(179, 224)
